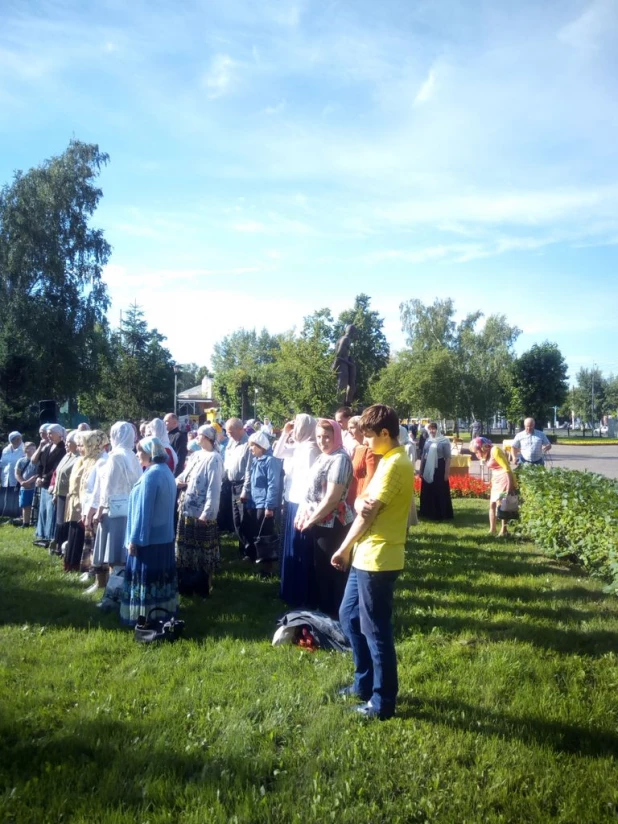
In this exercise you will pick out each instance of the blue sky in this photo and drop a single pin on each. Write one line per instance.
(270, 158)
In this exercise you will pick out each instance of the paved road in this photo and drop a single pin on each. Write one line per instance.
(601, 459)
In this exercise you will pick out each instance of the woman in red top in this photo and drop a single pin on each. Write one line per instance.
(364, 462)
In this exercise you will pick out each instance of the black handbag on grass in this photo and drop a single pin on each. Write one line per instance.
(266, 546)
(150, 629)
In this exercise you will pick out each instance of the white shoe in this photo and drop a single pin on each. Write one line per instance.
(91, 589)
(85, 577)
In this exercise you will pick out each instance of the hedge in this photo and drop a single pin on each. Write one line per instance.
(573, 515)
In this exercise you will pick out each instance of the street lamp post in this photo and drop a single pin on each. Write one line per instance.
(176, 371)
(255, 394)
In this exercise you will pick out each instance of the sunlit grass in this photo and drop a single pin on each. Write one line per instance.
(508, 708)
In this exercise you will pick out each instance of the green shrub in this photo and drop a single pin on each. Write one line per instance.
(571, 514)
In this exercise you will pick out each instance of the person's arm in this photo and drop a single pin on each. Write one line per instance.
(447, 461)
(246, 487)
(146, 497)
(282, 448)
(214, 475)
(546, 443)
(273, 489)
(328, 503)
(362, 522)
(181, 452)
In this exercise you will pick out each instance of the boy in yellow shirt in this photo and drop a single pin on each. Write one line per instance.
(378, 536)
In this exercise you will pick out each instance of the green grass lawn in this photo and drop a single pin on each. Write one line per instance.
(508, 706)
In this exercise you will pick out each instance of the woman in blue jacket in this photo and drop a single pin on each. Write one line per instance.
(150, 575)
(264, 497)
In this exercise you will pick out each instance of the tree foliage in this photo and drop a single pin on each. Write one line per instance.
(238, 363)
(136, 374)
(52, 297)
(539, 383)
(452, 369)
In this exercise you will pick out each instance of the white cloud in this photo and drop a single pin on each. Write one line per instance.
(427, 89)
(598, 23)
(220, 77)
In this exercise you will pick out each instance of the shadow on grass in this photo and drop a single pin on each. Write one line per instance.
(242, 606)
(92, 755)
(561, 737)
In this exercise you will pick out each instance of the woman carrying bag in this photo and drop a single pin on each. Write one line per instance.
(263, 504)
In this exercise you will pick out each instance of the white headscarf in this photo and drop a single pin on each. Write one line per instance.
(122, 469)
(158, 430)
(432, 459)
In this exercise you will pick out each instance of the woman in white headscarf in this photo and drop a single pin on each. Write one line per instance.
(410, 447)
(298, 448)
(436, 504)
(118, 476)
(157, 429)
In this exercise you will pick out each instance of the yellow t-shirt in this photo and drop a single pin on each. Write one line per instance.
(382, 547)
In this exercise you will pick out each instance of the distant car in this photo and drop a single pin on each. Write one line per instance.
(600, 430)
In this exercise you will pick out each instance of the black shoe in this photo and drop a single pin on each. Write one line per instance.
(41, 543)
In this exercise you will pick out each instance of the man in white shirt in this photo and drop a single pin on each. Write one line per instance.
(237, 465)
(531, 445)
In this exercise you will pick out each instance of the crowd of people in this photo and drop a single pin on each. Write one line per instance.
(331, 499)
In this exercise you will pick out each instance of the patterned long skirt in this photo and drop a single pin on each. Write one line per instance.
(150, 581)
(197, 555)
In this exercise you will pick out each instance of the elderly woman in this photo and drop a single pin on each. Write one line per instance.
(502, 478)
(264, 499)
(61, 482)
(364, 462)
(197, 537)
(436, 504)
(90, 446)
(119, 474)
(157, 429)
(50, 457)
(150, 574)
(298, 449)
(326, 513)
(11, 454)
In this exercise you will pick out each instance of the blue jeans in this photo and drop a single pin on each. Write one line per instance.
(46, 526)
(366, 618)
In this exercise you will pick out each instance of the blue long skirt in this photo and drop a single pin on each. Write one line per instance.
(298, 584)
(150, 581)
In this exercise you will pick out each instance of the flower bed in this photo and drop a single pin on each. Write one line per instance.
(462, 486)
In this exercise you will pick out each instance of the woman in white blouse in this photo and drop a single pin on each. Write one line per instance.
(298, 449)
(113, 484)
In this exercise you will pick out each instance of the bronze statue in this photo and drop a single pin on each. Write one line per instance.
(345, 367)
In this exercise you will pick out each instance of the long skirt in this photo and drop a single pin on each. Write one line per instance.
(62, 527)
(330, 581)
(436, 504)
(46, 523)
(86, 559)
(109, 544)
(197, 555)
(9, 502)
(73, 555)
(298, 583)
(150, 581)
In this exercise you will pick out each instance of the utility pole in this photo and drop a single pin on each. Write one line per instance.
(592, 377)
